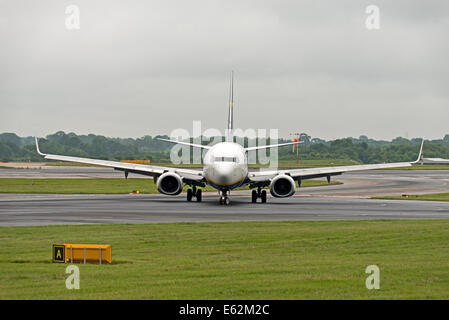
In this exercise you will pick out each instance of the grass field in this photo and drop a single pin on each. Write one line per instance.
(99, 186)
(234, 260)
(426, 197)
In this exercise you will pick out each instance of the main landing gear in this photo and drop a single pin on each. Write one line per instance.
(259, 193)
(224, 199)
(194, 192)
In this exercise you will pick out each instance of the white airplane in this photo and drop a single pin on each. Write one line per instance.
(226, 168)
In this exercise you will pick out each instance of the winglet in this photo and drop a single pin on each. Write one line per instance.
(421, 155)
(37, 148)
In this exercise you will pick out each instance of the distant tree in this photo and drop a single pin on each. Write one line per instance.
(446, 139)
(400, 140)
(305, 137)
(317, 141)
(363, 138)
(10, 138)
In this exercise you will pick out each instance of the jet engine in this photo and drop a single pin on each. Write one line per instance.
(282, 186)
(169, 183)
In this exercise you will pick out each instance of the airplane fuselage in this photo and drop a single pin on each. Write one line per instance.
(226, 166)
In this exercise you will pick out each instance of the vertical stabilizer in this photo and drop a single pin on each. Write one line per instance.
(229, 133)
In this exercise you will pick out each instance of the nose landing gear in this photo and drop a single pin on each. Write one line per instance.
(224, 199)
(194, 192)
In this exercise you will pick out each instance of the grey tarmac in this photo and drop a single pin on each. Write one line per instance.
(341, 202)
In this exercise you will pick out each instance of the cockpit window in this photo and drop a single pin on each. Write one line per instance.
(225, 159)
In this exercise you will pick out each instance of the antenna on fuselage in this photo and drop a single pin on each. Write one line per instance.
(229, 134)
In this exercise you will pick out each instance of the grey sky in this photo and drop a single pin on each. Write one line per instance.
(148, 67)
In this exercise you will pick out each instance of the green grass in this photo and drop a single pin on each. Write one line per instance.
(99, 186)
(426, 197)
(234, 260)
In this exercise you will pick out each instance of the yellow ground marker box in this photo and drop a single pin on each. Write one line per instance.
(82, 253)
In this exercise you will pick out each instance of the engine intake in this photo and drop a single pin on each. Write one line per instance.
(169, 183)
(282, 186)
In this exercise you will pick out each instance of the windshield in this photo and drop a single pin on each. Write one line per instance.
(225, 159)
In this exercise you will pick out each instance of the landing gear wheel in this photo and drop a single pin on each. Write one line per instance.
(254, 196)
(263, 196)
(259, 193)
(224, 200)
(199, 196)
(189, 195)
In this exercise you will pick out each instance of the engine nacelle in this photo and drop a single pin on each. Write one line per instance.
(282, 186)
(169, 183)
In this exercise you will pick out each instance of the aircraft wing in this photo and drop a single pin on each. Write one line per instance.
(273, 146)
(433, 160)
(154, 171)
(185, 143)
(310, 173)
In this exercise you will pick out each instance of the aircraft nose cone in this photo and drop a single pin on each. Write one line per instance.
(224, 173)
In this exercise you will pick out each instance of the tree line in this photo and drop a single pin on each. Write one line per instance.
(362, 149)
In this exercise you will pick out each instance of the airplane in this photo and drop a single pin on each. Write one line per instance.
(225, 167)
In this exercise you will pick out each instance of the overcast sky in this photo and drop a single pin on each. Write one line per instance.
(148, 67)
